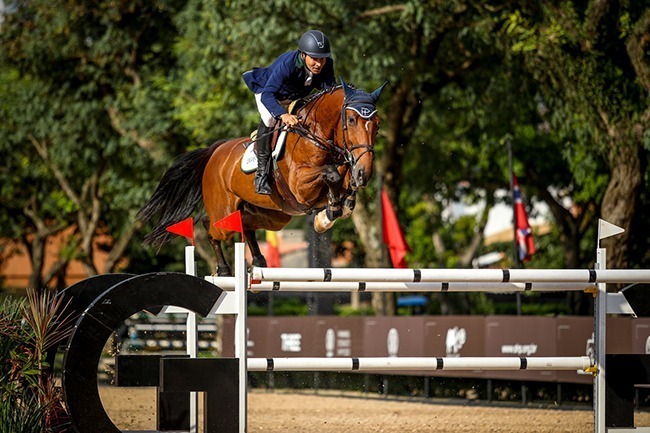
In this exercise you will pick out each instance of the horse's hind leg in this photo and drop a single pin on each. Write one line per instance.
(258, 258)
(223, 269)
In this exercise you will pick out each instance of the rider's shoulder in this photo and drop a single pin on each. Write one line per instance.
(287, 59)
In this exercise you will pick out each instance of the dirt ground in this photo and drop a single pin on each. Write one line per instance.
(284, 412)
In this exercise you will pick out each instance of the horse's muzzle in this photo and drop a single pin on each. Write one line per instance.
(360, 177)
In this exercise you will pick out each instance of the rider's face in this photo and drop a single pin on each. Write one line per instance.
(315, 65)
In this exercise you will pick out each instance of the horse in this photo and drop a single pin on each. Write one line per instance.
(325, 160)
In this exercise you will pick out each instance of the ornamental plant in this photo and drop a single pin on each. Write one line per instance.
(31, 329)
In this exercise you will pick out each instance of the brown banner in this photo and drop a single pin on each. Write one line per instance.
(441, 336)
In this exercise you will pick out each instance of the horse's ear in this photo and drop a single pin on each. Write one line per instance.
(375, 95)
(346, 89)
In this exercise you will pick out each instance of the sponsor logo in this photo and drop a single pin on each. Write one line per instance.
(338, 343)
(456, 338)
(392, 342)
(519, 349)
(291, 342)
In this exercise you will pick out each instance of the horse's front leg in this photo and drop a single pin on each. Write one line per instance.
(324, 220)
(251, 239)
(349, 202)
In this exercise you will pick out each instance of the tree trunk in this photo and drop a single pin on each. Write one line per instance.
(118, 248)
(36, 250)
(620, 199)
(369, 234)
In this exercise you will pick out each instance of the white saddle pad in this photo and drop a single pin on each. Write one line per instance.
(249, 160)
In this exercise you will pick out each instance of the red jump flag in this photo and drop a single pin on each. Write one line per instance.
(392, 233)
(232, 222)
(184, 228)
(525, 242)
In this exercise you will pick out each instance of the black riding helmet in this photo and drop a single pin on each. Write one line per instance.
(315, 44)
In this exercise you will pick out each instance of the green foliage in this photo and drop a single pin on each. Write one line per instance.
(281, 307)
(22, 412)
(29, 328)
(348, 311)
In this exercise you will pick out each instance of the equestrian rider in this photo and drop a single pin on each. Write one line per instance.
(291, 76)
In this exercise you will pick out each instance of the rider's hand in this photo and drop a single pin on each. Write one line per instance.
(289, 119)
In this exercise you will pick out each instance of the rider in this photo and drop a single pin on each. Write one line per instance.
(291, 76)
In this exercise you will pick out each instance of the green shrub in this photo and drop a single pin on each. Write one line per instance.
(29, 328)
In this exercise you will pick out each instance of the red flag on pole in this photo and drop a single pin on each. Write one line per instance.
(392, 233)
(272, 250)
(525, 242)
(184, 228)
(232, 222)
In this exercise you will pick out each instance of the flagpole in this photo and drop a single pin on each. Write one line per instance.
(380, 186)
(514, 219)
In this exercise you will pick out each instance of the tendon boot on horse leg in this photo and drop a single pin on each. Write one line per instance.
(263, 152)
(324, 220)
(349, 202)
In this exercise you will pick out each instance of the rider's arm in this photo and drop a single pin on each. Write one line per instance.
(280, 74)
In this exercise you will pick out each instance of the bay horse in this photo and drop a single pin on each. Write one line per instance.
(325, 161)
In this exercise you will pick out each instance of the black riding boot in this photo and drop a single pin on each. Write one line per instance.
(263, 152)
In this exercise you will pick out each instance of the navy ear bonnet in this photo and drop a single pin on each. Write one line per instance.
(365, 104)
(362, 103)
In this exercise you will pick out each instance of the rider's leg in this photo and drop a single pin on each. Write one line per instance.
(263, 152)
(263, 148)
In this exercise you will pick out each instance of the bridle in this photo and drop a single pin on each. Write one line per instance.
(341, 155)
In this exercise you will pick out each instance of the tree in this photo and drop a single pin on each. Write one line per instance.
(587, 58)
(88, 114)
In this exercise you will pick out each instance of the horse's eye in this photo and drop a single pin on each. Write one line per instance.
(352, 120)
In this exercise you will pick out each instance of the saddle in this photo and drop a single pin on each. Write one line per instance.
(249, 160)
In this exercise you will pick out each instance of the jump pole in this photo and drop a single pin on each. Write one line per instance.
(228, 283)
(583, 276)
(376, 364)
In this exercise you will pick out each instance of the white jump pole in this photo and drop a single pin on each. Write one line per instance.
(191, 331)
(419, 363)
(228, 283)
(584, 276)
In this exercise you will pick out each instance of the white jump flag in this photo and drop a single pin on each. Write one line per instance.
(606, 229)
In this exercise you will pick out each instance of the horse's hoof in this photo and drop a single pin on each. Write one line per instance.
(322, 223)
(259, 262)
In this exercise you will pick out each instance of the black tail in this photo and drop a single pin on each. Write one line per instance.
(178, 195)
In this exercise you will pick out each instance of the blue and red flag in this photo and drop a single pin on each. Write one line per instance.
(523, 232)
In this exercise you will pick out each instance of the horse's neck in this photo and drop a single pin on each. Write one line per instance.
(323, 114)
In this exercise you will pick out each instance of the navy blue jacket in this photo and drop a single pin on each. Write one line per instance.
(285, 80)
